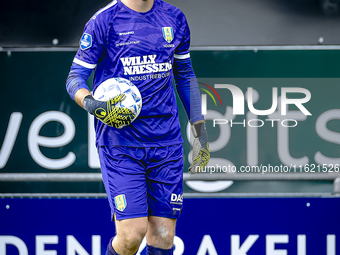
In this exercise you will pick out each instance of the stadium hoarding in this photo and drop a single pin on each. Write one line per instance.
(235, 226)
(44, 131)
(283, 121)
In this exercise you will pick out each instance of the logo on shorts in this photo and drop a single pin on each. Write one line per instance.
(85, 41)
(120, 202)
(176, 199)
(168, 34)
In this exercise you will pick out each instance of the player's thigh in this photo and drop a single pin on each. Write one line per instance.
(124, 181)
(165, 182)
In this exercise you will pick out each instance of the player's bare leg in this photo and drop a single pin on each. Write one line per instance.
(129, 235)
(161, 232)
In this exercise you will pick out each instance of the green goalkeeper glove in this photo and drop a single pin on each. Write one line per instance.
(107, 112)
(201, 151)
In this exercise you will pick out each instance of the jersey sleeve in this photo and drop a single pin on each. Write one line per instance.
(182, 50)
(76, 79)
(185, 79)
(91, 44)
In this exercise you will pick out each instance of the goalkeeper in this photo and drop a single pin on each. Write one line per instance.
(146, 42)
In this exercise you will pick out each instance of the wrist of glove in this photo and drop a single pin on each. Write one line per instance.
(201, 151)
(107, 112)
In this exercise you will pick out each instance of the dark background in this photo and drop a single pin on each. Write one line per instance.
(35, 23)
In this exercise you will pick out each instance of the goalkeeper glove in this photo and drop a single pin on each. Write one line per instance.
(201, 152)
(107, 112)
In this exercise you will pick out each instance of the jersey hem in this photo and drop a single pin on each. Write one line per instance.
(125, 217)
(166, 215)
(137, 145)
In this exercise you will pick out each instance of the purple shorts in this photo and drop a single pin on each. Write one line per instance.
(143, 181)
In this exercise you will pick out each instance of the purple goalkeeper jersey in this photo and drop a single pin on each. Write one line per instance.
(140, 47)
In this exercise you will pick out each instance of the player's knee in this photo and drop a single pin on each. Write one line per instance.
(166, 241)
(132, 242)
(133, 238)
(163, 232)
(162, 238)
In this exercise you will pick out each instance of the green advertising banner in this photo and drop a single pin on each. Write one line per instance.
(266, 111)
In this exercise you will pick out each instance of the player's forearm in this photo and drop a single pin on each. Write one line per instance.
(76, 83)
(190, 97)
(80, 95)
(187, 88)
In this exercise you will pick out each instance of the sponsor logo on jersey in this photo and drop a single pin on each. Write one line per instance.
(126, 43)
(144, 65)
(168, 34)
(176, 199)
(127, 33)
(120, 202)
(85, 41)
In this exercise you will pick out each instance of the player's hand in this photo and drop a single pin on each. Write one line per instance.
(201, 151)
(107, 112)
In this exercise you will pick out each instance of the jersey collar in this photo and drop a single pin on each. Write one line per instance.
(123, 6)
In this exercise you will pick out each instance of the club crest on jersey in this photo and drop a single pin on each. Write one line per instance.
(120, 202)
(168, 34)
(85, 41)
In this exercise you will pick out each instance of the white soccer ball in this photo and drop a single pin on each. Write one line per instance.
(115, 86)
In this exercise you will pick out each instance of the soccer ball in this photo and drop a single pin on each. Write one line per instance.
(115, 86)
